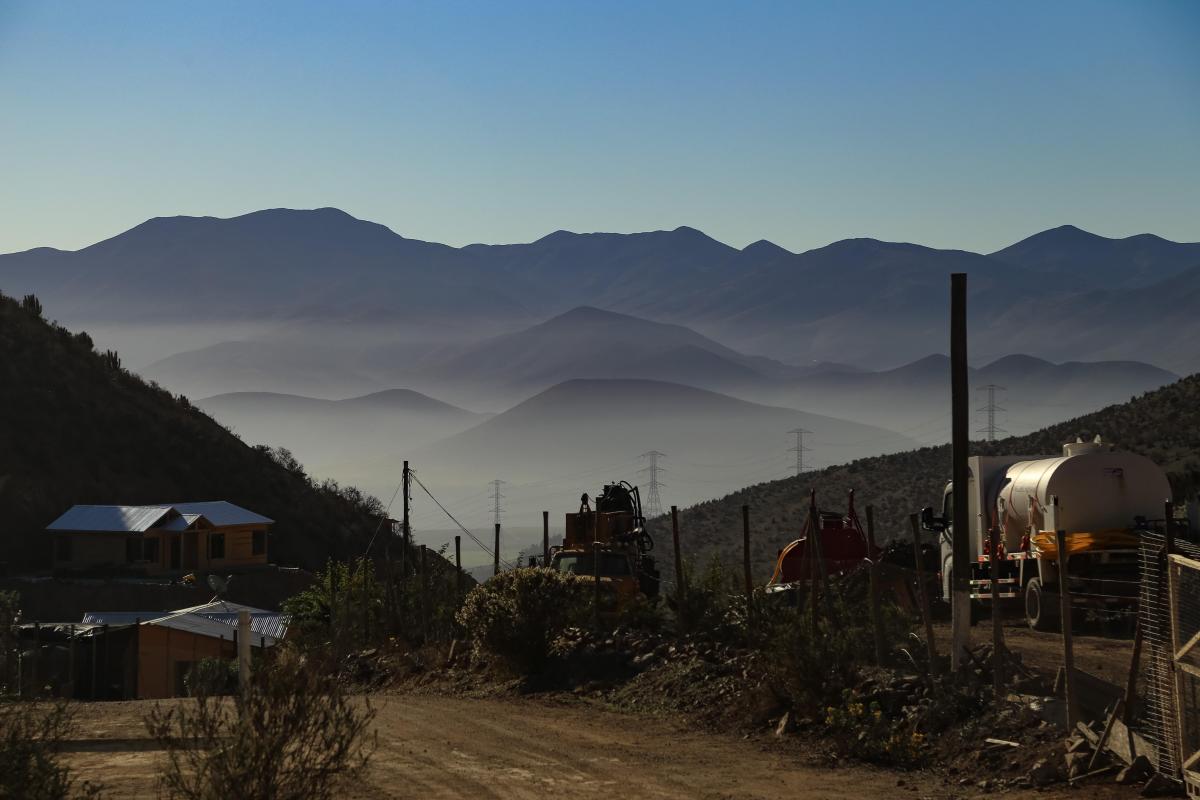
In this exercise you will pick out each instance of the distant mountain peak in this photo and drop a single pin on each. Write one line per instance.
(765, 249)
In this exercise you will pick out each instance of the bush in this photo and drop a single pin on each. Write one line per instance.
(30, 735)
(813, 671)
(863, 731)
(291, 737)
(31, 304)
(518, 614)
(211, 677)
(701, 602)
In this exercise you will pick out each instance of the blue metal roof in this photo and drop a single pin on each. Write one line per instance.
(139, 519)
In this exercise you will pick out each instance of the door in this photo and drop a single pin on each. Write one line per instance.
(176, 545)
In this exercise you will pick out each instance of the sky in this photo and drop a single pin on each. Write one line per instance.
(953, 124)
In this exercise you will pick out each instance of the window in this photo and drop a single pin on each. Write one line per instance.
(611, 564)
(150, 550)
(216, 545)
(62, 548)
(133, 550)
(258, 545)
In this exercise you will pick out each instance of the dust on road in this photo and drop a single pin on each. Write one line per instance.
(436, 748)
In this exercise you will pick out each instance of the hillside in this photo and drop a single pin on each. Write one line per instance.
(75, 427)
(1163, 424)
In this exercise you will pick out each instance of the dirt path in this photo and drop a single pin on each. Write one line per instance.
(437, 748)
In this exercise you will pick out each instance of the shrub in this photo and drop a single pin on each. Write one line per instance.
(863, 731)
(30, 735)
(211, 677)
(701, 602)
(518, 614)
(290, 737)
(31, 304)
(813, 671)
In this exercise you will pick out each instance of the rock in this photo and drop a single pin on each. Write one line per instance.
(1160, 786)
(785, 725)
(1138, 771)
(1043, 773)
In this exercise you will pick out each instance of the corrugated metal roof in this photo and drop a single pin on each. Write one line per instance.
(118, 519)
(139, 519)
(222, 512)
(269, 624)
(206, 626)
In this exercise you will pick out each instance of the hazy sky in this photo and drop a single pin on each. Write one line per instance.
(956, 124)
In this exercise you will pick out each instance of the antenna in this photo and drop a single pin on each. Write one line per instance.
(218, 584)
(653, 501)
(798, 448)
(991, 429)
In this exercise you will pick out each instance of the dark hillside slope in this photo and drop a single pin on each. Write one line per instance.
(1163, 424)
(77, 428)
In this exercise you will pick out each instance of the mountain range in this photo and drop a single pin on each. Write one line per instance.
(1063, 294)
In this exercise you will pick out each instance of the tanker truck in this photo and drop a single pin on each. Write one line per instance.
(1102, 497)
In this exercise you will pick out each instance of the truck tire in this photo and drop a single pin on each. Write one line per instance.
(1041, 607)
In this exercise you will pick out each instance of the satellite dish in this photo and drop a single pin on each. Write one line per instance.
(218, 584)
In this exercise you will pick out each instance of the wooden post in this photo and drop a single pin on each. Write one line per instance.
(367, 575)
(1132, 680)
(34, 689)
(997, 631)
(873, 575)
(1064, 594)
(814, 558)
(746, 566)
(1168, 528)
(496, 553)
(960, 608)
(545, 538)
(678, 556)
(596, 578)
(923, 596)
(458, 575)
(243, 650)
(424, 594)
(71, 664)
(94, 648)
(331, 568)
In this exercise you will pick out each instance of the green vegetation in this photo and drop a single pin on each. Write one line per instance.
(292, 736)
(517, 615)
(1163, 425)
(76, 427)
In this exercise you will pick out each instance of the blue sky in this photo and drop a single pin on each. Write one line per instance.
(958, 124)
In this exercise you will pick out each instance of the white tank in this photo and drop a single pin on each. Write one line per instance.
(1097, 488)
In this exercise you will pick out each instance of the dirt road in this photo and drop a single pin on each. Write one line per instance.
(437, 748)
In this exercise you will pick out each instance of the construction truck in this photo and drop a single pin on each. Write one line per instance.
(612, 540)
(1104, 499)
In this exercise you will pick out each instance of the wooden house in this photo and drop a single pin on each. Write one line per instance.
(159, 539)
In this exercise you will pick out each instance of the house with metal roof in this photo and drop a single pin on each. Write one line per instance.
(159, 539)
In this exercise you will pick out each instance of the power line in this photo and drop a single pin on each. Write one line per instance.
(991, 429)
(653, 501)
(461, 527)
(799, 449)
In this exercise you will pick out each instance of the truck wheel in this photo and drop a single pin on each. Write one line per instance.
(1041, 607)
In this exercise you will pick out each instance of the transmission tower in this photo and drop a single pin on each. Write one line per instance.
(496, 498)
(653, 501)
(991, 429)
(798, 448)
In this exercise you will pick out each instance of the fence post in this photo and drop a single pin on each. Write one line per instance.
(1064, 596)
(331, 568)
(873, 574)
(243, 650)
(71, 664)
(746, 566)
(814, 558)
(678, 557)
(496, 553)
(997, 631)
(545, 538)
(596, 579)
(1132, 680)
(34, 689)
(424, 594)
(1168, 528)
(94, 647)
(458, 574)
(923, 596)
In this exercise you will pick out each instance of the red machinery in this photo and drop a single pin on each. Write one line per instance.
(842, 547)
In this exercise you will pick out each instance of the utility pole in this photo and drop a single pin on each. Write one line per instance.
(990, 409)
(653, 501)
(960, 607)
(798, 448)
(405, 531)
